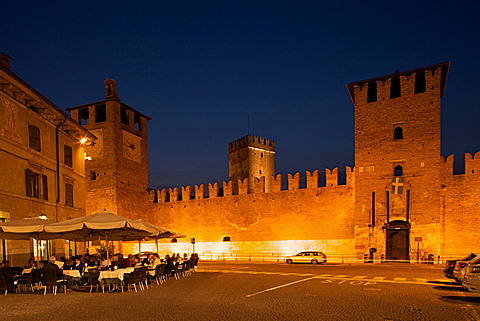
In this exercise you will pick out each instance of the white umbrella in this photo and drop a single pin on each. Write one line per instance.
(103, 225)
(25, 229)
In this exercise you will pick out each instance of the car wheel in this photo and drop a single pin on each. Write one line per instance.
(289, 261)
(314, 261)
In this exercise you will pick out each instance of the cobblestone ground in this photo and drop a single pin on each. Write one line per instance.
(264, 292)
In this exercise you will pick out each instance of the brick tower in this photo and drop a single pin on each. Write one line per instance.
(251, 157)
(117, 172)
(398, 162)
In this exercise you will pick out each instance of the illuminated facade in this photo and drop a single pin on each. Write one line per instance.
(43, 172)
(400, 202)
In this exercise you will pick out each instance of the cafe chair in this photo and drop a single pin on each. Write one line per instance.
(26, 279)
(160, 273)
(6, 284)
(50, 280)
(93, 275)
(143, 277)
(132, 279)
(176, 271)
(37, 277)
(187, 268)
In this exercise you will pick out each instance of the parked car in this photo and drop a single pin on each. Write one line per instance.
(313, 257)
(471, 279)
(450, 265)
(461, 266)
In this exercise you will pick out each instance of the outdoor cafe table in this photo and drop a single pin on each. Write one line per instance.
(72, 273)
(106, 276)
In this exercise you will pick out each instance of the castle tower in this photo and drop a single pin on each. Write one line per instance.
(251, 157)
(117, 169)
(397, 161)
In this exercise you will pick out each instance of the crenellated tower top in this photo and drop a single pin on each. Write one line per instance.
(250, 157)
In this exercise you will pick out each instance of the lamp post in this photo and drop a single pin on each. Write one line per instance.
(193, 244)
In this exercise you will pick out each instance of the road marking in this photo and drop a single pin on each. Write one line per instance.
(330, 278)
(278, 287)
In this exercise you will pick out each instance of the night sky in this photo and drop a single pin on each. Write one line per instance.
(209, 72)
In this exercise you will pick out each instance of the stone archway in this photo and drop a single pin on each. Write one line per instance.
(397, 242)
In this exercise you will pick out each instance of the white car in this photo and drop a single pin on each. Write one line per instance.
(461, 267)
(313, 257)
(471, 279)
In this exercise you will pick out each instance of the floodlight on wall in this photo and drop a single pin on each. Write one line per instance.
(43, 217)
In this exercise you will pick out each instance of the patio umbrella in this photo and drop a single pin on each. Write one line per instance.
(162, 233)
(104, 225)
(25, 229)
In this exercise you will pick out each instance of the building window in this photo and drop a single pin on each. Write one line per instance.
(398, 133)
(100, 113)
(34, 137)
(136, 122)
(68, 155)
(93, 175)
(36, 184)
(420, 82)
(395, 90)
(398, 171)
(68, 194)
(124, 115)
(226, 238)
(372, 92)
(83, 114)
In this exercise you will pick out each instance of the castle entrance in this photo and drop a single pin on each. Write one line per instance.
(398, 242)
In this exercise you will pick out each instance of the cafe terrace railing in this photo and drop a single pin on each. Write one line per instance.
(338, 258)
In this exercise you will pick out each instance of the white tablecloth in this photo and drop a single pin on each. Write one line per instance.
(115, 274)
(72, 273)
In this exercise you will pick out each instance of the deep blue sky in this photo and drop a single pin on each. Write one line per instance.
(200, 69)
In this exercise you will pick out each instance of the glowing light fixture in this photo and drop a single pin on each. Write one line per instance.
(87, 157)
(43, 217)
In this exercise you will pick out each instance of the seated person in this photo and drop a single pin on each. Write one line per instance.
(51, 265)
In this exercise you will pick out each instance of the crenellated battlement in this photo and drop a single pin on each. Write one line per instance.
(212, 190)
(471, 164)
(251, 141)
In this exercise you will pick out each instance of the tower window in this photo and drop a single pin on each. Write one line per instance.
(398, 171)
(34, 137)
(100, 113)
(124, 115)
(395, 90)
(372, 92)
(420, 83)
(93, 175)
(83, 114)
(398, 133)
(136, 122)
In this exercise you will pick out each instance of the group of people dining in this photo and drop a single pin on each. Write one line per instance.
(83, 263)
